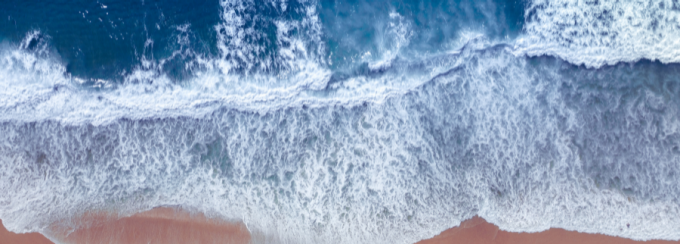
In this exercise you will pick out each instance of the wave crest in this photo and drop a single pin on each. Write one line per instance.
(604, 32)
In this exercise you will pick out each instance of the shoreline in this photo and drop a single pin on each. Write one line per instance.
(8, 237)
(170, 225)
(477, 230)
(158, 225)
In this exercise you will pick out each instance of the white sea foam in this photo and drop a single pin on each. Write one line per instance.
(494, 137)
(37, 87)
(392, 38)
(244, 47)
(605, 32)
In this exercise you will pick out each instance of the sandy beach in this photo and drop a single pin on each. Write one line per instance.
(478, 231)
(167, 225)
(160, 225)
(8, 237)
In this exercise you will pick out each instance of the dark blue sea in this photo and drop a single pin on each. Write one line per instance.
(359, 121)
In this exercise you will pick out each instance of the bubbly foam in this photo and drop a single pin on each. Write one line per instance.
(38, 88)
(246, 48)
(514, 142)
(597, 33)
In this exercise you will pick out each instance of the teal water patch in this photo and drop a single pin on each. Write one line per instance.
(368, 31)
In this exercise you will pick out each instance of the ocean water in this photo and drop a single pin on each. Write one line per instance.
(344, 121)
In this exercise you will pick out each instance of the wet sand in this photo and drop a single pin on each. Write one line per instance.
(167, 225)
(478, 231)
(160, 225)
(8, 237)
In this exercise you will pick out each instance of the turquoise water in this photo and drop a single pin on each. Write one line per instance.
(351, 121)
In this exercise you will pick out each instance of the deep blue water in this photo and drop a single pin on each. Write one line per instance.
(106, 39)
(352, 121)
(95, 42)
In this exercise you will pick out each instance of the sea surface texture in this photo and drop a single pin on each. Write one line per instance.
(358, 121)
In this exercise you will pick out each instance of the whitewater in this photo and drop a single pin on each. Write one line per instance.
(362, 122)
